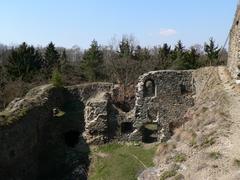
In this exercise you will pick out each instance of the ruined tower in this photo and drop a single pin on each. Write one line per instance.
(234, 46)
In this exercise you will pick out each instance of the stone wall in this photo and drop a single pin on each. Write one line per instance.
(46, 134)
(41, 134)
(162, 99)
(234, 46)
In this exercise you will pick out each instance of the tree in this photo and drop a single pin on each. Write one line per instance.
(126, 47)
(23, 62)
(191, 59)
(179, 48)
(63, 60)
(57, 78)
(92, 63)
(51, 58)
(164, 56)
(185, 58)
(141, 54)
(212, 52)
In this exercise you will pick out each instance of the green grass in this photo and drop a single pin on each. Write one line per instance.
(120, 162)
(168, 174)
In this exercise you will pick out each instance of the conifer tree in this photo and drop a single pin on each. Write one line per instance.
(92, 63)
(51, 57)
(212, 52)
(23, 62)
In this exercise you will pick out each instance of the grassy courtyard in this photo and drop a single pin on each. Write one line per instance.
(120, 161)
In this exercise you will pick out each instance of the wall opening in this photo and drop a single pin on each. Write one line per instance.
(149, 88)
(171, 128)
(237, 22)
(71, 138)
(149, 133)
(183, 89)
(126, 127)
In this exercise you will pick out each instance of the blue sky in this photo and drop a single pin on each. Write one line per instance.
(78, 22)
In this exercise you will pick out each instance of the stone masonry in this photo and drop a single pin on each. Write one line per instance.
(234, 47)
(41, 132)
(162, 99)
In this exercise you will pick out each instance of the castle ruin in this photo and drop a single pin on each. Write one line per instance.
(44, 133)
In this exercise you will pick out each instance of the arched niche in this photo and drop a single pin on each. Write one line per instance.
(149, 88)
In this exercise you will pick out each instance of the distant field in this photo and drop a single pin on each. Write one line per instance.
(120, 162)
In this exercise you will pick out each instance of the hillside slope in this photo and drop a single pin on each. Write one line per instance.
(207, 145)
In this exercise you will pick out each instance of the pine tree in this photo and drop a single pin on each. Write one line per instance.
(141, 54)
(51, 57)
(178, 51)
(164, 56)
(126, 49)
(23, 62)
(212, 52)
(63, 60)
(92, 64)
(191, 59)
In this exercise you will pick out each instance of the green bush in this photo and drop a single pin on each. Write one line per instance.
(57, 78)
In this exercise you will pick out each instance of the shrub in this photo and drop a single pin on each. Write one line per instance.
(57, 79)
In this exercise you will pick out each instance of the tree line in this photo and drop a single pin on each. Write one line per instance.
(27, 66)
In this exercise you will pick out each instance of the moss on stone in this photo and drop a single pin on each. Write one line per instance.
(7, 118)
(60, 114)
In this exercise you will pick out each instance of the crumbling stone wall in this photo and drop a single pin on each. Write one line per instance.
(44, 134)
(234, 46)
(162, 99)
(96, 119)
(41, 134)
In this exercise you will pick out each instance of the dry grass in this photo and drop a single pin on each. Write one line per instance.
(215, 155)
(168, 174)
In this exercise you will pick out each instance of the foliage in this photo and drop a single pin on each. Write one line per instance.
(57, 78)
(126, 48)
(212, 52)
(63, 60)
(164, 56)
(92, 63)
(121, 63)
(51, 58)
(23, 62)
